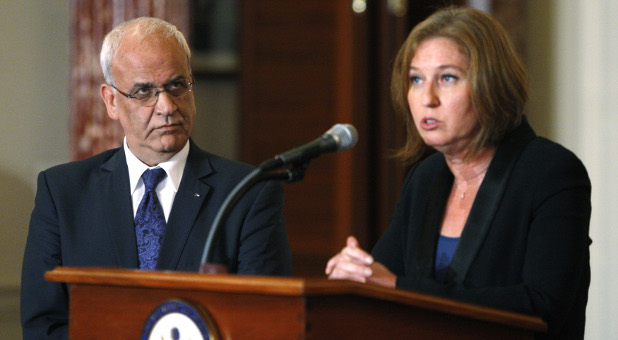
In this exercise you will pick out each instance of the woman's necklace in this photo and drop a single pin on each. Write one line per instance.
(481, 162)
(480, 175)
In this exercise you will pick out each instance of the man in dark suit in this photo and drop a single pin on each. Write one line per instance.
(92, 212)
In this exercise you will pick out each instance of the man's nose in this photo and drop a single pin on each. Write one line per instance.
(165, 104)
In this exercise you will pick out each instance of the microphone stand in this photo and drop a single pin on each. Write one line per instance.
(293, 174)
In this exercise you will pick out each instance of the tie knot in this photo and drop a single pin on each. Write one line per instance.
(152, 177)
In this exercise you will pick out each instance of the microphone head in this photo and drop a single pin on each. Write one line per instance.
(345, 135)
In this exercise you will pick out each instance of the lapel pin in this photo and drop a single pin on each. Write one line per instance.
(196, 195)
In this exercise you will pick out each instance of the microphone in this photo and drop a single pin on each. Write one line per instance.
(340, 137)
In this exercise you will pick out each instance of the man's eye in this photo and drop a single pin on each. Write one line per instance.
(175, 85)
(143, 92)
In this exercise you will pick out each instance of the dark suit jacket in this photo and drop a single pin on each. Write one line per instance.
(83, 217)
(525, 245)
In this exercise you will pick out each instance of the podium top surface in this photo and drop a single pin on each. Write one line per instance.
(293, 287)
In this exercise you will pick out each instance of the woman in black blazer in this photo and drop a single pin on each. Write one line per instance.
(497, 216)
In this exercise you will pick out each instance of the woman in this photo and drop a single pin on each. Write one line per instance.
(497, 216)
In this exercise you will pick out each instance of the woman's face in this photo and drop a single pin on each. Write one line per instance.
(439, 96)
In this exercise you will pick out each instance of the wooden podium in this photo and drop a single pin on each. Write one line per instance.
(115, 303)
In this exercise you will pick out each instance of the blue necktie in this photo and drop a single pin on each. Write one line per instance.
(150, 220)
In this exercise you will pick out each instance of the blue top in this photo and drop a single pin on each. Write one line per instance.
(444, 255)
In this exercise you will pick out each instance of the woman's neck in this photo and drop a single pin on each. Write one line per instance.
(467, 171)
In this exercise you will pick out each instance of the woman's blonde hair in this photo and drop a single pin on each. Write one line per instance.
(499, 81)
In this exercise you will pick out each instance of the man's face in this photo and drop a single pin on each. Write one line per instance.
(154, 133)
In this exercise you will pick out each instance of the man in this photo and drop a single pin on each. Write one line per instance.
(104, 211)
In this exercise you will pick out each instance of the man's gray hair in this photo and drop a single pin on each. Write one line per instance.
(145, 27)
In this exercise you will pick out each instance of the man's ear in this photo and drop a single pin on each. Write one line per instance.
(107, 93)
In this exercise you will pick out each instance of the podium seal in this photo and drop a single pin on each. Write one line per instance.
(178, 319)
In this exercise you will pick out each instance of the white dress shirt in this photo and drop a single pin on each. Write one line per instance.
(167, 188)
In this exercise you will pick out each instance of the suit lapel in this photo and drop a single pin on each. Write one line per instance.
(487, 200)
(116, 202)
(432, 220)
(187, 205)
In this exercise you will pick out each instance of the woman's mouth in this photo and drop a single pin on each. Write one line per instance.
(429, 124)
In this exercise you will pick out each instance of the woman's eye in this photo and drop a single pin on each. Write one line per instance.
(449, 78)
(415, 79)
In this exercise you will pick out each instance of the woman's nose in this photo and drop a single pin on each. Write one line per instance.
(429, 97)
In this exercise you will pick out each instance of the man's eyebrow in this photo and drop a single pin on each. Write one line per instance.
(150, 84)
(178, 77)
(141, 85)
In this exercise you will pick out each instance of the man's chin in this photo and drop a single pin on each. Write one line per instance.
(172, 144)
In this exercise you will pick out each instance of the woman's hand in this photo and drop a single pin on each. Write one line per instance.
(354, 264)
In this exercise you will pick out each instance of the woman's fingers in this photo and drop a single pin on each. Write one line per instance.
(357, 255)
(352, 261)
(332, 263)
(345, 270)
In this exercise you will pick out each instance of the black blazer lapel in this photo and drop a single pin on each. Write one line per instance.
(487, 200)
(187, 205)
(432, 220)
(116, 200)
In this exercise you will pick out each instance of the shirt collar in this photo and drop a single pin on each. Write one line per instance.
(174, 167)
